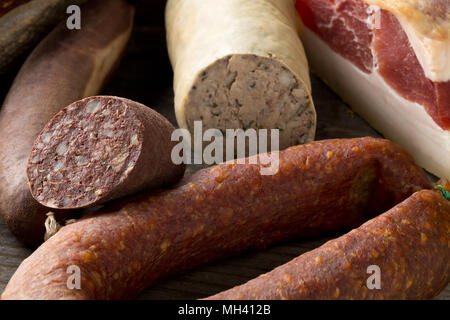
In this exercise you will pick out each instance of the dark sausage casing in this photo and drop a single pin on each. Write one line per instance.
(217, 212)
(23, 23)
(98, 149)
(409, 244)
(66, 66)
(10, 5)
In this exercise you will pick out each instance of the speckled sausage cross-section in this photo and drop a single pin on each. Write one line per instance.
(66, 66)
(409, 243)
(98, 149)
(240, 64)
(218, 212)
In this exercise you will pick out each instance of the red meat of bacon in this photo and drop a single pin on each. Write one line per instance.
(347, 26)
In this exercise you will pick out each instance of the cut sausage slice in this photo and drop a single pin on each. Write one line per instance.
(98, 149)
(66, 66)
(240, 65)
(247, 91)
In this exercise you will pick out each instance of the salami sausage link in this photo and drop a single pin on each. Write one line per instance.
(217, 212)
(98, 149)
(66, 66)
(408, 246)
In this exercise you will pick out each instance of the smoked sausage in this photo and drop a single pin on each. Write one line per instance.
(218, 212)
(408, 246)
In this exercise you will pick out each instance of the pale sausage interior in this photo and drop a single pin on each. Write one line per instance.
(248, 91)
(84, 153)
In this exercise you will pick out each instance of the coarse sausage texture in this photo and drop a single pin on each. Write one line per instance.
(98, 149)
(66, 66)
(240, 64)
(218, 212)
(409, 244)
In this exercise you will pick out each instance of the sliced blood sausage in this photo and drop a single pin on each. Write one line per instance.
(217, 212)
(98, 149)
(66, 66)
(408, 247)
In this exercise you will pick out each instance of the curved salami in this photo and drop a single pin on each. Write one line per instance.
(407, 248)
(217, 212)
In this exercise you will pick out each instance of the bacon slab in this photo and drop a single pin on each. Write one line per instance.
(390, 61)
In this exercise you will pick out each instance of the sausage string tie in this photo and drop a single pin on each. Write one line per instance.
(51, 226)
(445, 193)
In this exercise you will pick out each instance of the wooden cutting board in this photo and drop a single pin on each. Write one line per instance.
(145, 75)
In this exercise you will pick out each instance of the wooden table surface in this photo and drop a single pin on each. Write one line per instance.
(145, 75)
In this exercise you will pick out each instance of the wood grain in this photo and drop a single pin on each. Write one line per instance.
(145, 75)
